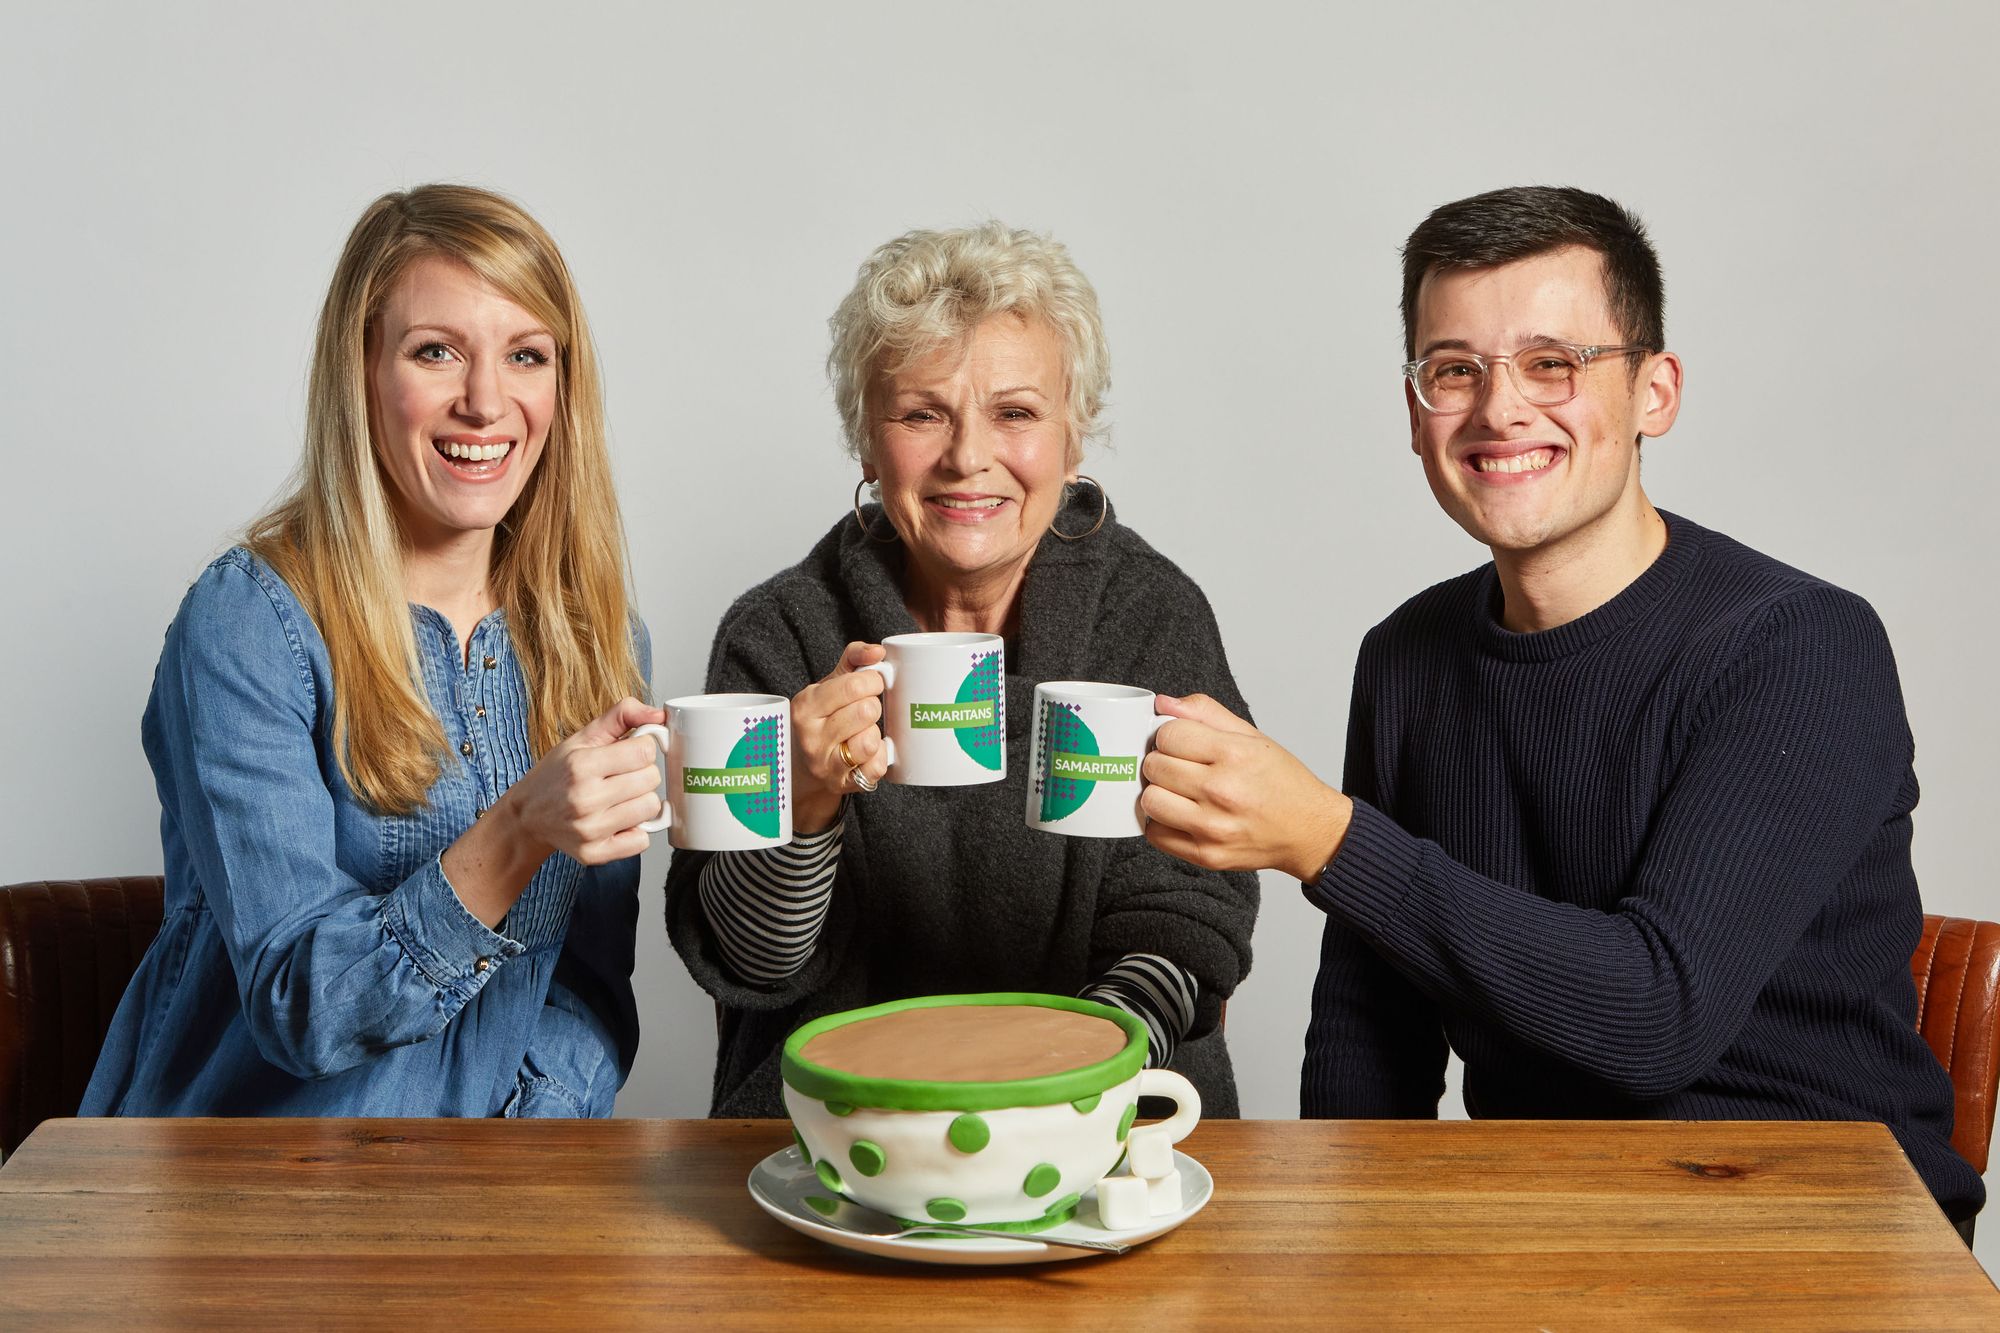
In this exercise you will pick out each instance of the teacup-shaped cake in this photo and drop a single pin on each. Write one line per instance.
(997, 1111)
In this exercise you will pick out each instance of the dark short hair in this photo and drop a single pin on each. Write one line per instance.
(1523, 221)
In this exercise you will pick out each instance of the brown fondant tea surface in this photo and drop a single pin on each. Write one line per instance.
(967, 1043)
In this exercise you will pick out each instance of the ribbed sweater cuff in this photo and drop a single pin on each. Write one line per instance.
(1371, 875)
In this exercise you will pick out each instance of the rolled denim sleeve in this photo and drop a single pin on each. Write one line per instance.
(430, 921)
(329, 972)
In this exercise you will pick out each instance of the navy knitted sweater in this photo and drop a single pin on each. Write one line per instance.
(1653, 863)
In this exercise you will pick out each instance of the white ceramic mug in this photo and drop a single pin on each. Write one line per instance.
(944, 708)
(728, 764)
(1088, 743)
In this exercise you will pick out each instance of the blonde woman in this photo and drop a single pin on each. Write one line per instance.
(970, 369)
(398, 818)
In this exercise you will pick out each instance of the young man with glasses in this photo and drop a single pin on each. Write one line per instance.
(1626, 812)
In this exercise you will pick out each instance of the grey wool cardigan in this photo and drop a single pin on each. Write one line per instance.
(945, 889)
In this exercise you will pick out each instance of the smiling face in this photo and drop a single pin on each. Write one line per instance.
(461, 390)
(1528, 480)
(972, 449)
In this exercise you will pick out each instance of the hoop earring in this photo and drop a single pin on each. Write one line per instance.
(862, 519)
(1103, 509)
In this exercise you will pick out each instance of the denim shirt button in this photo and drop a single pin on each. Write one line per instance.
(465, 747)
(479, 710)
(492, 662)
(481, 964)
(479, 812)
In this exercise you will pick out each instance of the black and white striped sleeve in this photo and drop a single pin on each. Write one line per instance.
(1155, 989)
(767, 906)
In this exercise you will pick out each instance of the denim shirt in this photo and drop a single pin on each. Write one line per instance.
(314, 959)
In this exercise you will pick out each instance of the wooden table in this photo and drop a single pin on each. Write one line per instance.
(413, 1223)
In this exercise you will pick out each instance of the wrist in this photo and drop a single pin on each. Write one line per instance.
(1325, 830)
(490, 863)
(817, 811)
(515, 843)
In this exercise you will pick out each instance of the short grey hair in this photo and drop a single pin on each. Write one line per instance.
(928, 289)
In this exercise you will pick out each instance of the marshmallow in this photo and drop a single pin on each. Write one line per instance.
(1122, 1202)
(1149, 1153)
(1163, 1194)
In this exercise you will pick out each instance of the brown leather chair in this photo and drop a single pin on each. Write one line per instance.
(67, 949)
(1957, 970)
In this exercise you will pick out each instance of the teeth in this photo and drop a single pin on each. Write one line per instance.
(949, 503)
(1532, 461)
(475, 453)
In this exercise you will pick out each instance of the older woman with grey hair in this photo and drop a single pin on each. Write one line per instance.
(970, 368)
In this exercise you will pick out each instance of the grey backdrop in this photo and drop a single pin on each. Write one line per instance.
(1820, 179)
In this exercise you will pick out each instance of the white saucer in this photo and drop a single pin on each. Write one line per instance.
(781, 1182)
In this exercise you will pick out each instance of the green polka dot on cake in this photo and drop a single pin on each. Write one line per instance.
(1041, 1180)
(868, 1158)
(839, 1108)
(822, 1205)
(1085, 1105)
(969, 1133)
(828, 1175)
(1125, 1121)
(1064, 1206)
(945, 1210)
(799, 1139)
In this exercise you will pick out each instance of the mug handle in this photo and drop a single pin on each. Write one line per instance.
(1187, 1102)
(887, 670)
(661, 737)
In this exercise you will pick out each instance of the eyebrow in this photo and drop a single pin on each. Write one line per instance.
(932, 395)
(1532, 340)
(534, 331)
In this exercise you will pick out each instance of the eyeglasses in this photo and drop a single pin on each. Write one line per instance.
(1546, 374)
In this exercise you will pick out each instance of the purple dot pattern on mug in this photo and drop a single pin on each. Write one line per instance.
(765, 748)
(1062, 730)
(985, 745)
(1045, 743)
(762, 746)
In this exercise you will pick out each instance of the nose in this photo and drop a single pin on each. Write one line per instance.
(971, 449)
(1501, 402)
(480, 399)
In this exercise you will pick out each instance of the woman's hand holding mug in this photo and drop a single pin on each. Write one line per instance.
(586, 797)
(842, 708)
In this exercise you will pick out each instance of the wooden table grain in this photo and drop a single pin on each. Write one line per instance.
(420, 1223)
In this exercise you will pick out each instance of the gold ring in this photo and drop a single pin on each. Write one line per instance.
(861, 780)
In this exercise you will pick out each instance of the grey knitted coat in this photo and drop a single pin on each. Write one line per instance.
(946, 889)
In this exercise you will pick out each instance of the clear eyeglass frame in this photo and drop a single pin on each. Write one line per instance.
(1542, 391)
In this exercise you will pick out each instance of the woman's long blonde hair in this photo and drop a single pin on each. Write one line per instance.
(558, 558)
